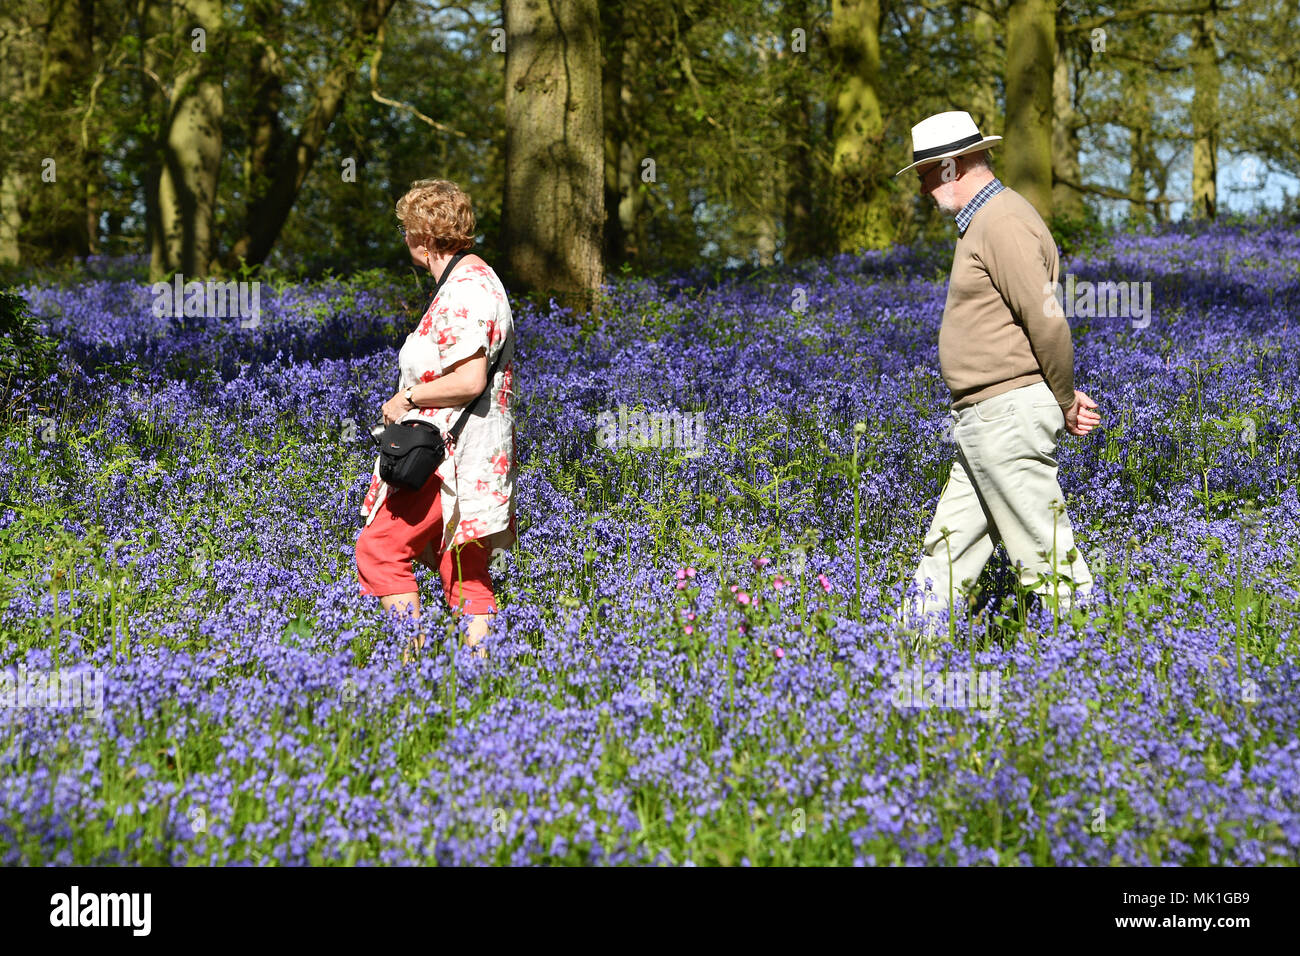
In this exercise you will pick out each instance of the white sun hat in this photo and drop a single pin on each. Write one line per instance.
(946, 134)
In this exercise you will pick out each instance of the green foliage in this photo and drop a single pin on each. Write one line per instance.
(1078, 235)
(26, 353)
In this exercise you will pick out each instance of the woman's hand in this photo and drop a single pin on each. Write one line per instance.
(456, 386)
(394, 408)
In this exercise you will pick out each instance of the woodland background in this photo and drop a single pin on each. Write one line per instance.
(210, 137)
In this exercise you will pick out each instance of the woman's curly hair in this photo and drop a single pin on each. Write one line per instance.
(438, 215)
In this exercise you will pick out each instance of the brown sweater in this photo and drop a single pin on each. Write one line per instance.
(997, 333)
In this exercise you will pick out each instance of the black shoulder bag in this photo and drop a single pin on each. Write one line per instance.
(410, 452)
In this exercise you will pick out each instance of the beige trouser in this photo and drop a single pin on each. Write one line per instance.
(1002, 487)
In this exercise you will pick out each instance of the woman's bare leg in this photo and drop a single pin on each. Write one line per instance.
(479, 624)
(410, 602)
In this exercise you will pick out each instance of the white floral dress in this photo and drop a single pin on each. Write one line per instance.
(469, 313)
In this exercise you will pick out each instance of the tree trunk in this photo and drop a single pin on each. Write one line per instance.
(269, 207)
(1137, 178)
(983, 96)
(1160, 173)
(1066, 201)
(767, 217)
(631, 189)
(152, 21)
(57, 226)
(553, 204)
(1030, 65)
(266, 83)
(862, 216)
(799, 232)
(19, 71)
(1205, 115)
(13, 184)
(187, 182)
(1138, 145)
(611, 79)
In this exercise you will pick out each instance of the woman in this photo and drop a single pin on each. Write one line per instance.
(466, 510)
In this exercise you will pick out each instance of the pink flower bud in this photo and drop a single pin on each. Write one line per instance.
(735, 588)
(681, 574)
(825, 582)
(779, 583)
(689, 629)
(690, 572)
(762, 562)
(778, 653)
(742, 597)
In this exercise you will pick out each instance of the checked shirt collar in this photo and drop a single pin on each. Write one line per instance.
(969, 210)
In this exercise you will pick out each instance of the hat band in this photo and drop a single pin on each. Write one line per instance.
(920, 154)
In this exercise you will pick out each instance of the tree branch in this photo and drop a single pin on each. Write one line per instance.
(380, 98)
(1108, 193)
(100, 75)
(685, 60)
(1089, 25)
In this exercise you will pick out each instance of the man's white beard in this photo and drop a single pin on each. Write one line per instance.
(946, 201)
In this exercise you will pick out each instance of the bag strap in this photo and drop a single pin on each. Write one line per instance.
(451, 264)
(457, 428)
(464, 416)
(446, 271)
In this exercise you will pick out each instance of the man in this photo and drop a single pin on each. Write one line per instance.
(1008, 362)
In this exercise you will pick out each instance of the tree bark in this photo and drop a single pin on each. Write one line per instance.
(553, 204)
(1065, 137)
(266, 83)
(861, 208)
(20, 58)
(631, 191)
(152, 21)
(983, 97)
(187, 181)
(613, 46)
(1205, 115)
(1029, 66)
(862, 217)
(269, 207)
(58, 223)
(13, 184)
(799, 232)
(1138, 135)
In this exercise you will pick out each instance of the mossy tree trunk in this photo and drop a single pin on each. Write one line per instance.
(860, 200)
(1205, 115)
(1029, 68)
(554, 198)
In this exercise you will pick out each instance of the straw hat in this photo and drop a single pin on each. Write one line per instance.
(946, 134)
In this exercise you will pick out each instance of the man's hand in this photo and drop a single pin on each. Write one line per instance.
(394, 408)
(1080, 417)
